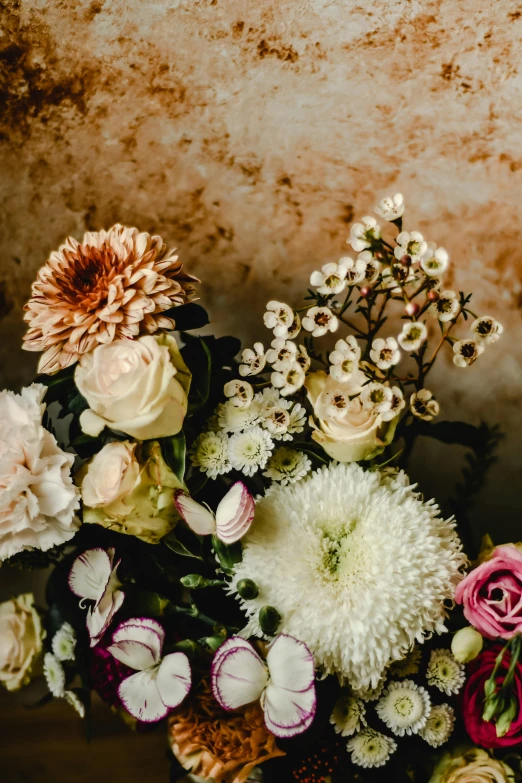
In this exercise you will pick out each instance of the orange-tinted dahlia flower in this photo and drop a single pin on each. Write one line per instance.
(114, 284)
(223, 746)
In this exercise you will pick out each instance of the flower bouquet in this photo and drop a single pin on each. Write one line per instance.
(237, 551)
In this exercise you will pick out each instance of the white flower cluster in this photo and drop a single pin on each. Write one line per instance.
(485, 331)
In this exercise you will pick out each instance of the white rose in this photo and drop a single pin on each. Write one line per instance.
(37, 495)
(20, 641)
(139, 387)
(111, 474)
(350, 435)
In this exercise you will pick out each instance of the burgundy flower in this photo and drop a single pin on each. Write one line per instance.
(484, 733)
(492, 594)
(106, 675)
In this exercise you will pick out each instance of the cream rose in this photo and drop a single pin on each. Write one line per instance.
(139, 387)
(136, 496)
(37, 495)
(111, 474)
(351, 433)
(472, 766)
(20, 641)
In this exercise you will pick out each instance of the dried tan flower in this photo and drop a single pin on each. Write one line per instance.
(223, 746)
(113, 284)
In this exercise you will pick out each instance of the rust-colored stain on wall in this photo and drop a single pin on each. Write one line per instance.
(249, 134)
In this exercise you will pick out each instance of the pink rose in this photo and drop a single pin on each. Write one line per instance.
(492, 594)
(482, 732)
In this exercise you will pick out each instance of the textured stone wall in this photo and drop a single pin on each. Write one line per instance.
(249, 134)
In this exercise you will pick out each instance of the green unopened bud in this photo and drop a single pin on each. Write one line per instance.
(214, 642)
(269, 619)
(247, 589)
(466, 644)
(187, 646)
(494, 705)
(504, 722)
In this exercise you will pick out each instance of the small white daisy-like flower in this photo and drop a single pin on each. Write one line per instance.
(282, 355)
(370, 694)
(348, 714)
(434, 260)
(267, 397)
(445, 672)
(370, 748)
(289, 381)
(413, 334)
(390, 208)
(373, 267)
(406, 666)
(252, 361)
(486, 329)
(410, 243)
(377, 396)
(210, 453)
(64, 643)
(424, 405)
(320, 321)
(404, 707)
(331, 279)
(446, 307)
(287, 466)
(396, 275)
(335, 403)
(54, 675)
(397, 404)
(465, 352)
(250, 450)
(75, 702)
(280, 318)
(240, 393)
(234, 419)
(355, 271)
(364, 233)
(344, 359)
(439, 726)
(385, 353)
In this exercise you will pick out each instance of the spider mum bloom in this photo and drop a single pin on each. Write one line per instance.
(112, 284)
(358, 568)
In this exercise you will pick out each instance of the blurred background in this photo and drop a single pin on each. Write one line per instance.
(251, 135)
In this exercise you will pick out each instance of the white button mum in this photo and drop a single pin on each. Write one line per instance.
(54, 675)
(370, 748)
(210, 453)
(439, 726)
(64, 642)
(37, 496)
(287, 466)
(445, 672)
(358, 567)
(348, 714)
(404, 707)
(250, 450)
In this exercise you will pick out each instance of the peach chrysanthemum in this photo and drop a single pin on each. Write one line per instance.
(218, 745)
(113, 284)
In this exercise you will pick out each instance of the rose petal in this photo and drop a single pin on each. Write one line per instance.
(140, 697)
(134, 654)
(291, 664)
(235, 513)
(90, 574)
(197, 517)
(238, 677)
(174, 679)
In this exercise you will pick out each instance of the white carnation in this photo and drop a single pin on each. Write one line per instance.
(37, 495)
(358, 567)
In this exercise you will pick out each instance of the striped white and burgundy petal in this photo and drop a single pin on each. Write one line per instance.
(238, 674)
(198, 517)
(174, 679)
(234, 514)
(138, 643)
(140, 697)
(90, 574)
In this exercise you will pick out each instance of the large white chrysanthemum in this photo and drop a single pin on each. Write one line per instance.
(357, 566)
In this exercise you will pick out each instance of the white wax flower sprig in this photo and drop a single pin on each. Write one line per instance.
(284, 683)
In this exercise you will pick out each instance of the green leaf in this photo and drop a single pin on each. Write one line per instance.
(198, 582)
(174, 453)
(188, 316)
(190, 546)
(228, 555)
(312, 451)
(143, 603)
(197, 358)
(454, 432)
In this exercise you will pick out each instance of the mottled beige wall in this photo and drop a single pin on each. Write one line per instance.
(249, 133)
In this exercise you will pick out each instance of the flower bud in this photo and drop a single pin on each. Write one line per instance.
(406, 260)
(507, 717)
(214, 642)
(247, 589)
(269, 619)
(366, 290)
(412, 308)
(433, 296)
(466, 644)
